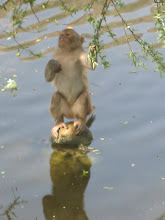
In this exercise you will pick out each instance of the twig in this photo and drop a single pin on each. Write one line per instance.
(106, 5)
(24, 48)
(137, 38)
(158, 2)
(123, 24)
(34, 14)
(4, 4)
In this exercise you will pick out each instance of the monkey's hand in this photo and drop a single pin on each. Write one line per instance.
(51, 69)
(54, 66)
(79, 126)
(56, 129)
(92, 55)
(92, 48)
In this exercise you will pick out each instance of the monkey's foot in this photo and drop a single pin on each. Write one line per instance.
(79, 126)
(56, 128)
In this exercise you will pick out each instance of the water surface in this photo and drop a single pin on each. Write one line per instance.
(124, 181)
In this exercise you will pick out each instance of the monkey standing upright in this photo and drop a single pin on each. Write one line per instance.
(68, 72)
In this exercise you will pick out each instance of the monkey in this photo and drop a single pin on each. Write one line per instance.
(68, 72)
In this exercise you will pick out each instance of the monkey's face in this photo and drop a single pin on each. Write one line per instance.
(66, 37)
(70, 40)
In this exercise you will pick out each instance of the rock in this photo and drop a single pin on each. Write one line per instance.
(67, 137)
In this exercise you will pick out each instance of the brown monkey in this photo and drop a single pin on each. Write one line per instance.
(68, 72)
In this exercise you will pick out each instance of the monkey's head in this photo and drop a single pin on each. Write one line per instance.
(70, 40)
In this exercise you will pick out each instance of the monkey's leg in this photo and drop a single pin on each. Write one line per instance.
(58, 108)
(81, 108)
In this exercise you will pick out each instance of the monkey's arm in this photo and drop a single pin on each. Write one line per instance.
(85, 61)
(51, 69)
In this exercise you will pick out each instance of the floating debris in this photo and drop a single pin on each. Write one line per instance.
(94, 151)
(109, 188)
(56, 21)
(38, 40)
(85, 173)
(133, 71)
(18, 54)
(20, 158)
(91, 148)
(11, 85)
(36, 195)
(123, 122)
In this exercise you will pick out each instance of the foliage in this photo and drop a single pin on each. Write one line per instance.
(18, 14)
(71, 11)
(85, 173)
(92, 55)
(10, 85)
(160, 23)
(9, 212)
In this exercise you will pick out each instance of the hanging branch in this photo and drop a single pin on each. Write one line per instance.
(96, 42)
(146, 48)
(18, 15)
(103, 13)
(34, 13)
(159, 1)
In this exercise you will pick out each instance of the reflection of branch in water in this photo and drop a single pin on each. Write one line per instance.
(9, 211)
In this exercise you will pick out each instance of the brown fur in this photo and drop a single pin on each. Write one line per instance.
(68, 72)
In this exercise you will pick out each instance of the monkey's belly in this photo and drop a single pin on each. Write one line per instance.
(69, 87)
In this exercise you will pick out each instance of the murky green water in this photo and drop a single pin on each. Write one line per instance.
(123, 179)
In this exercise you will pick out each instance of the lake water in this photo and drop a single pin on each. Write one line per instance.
(124, 174)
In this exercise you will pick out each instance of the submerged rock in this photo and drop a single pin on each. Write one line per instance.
(68, 138)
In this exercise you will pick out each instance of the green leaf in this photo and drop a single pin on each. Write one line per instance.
(85, 173)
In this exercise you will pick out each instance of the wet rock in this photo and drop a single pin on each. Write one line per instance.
(68, 138)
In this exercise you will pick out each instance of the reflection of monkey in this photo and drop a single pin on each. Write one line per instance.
(68, 71)
(162, 217)
(69, 184)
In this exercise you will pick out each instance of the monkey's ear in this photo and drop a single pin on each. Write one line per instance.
(82, 40)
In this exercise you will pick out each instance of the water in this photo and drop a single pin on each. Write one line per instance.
(124, 178)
